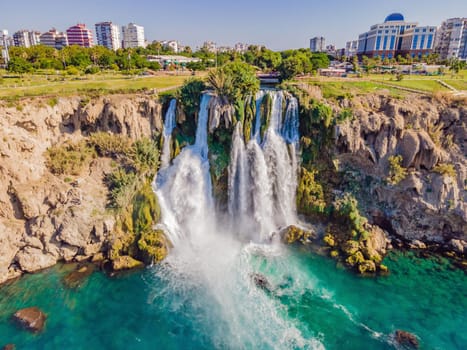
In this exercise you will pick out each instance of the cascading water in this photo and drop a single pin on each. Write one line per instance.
(169, 125)
(209, 270)
(262, 178)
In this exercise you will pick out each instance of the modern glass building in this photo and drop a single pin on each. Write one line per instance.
(395, 37)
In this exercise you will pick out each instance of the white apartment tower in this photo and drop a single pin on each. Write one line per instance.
(451, 39)
(108, 35)
(317, 44)
(133, 36)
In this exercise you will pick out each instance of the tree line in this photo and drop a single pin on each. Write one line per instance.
(75, 59)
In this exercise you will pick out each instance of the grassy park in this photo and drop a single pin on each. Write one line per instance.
(51, 84)
(30, 85)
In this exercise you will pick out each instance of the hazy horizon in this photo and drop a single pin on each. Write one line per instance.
(278, 25)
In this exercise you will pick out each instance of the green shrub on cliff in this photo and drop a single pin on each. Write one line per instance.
(109, 144)
(445, 169)
(144, 157)
(397, 172)
(69, 158)
(322, 113)
(347, 213)
(153, 246)
(310, 195)
(122, 185)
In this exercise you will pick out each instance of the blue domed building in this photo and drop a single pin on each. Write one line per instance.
(396, 37)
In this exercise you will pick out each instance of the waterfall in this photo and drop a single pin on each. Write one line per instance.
(169, 125)
(256, 132)
(262, 184)
(290, 127)
(212, 260)
(184, 189)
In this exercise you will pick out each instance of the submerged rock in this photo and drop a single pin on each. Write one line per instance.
(406, 339)
(9, 347)
(126, 263)
(261, 281)
(76, 278)
(31, 319)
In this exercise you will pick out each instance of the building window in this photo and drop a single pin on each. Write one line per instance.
(393, 41)
(429, 41)
(415, 42)
(378, 42)
(422, 41)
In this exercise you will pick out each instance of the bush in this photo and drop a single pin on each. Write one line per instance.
(92, 70)
(153, 246)
(310, 195)
(346, 211)
(52, 102)
(68, 159)
(345, 114)
(122, 185)
(144, 157)
(397, 172)
(446, 169)
(322, 113)
(110, 145)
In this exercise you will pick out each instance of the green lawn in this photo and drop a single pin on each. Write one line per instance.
(43, 85)
(426, 85)
(459, 84)
(336, 88)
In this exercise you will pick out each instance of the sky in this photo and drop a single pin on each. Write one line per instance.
(278, 24)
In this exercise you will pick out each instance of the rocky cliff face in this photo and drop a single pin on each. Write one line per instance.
(429, 204)
(45, 218)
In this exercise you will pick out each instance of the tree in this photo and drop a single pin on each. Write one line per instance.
(455, 65)
(235, 81)
(291, 67)
(19, 65)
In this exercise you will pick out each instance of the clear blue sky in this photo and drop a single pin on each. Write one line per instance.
(278, 24)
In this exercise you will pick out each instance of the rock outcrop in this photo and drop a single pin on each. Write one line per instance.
(430, 204)
(31, 319)
(45, 218)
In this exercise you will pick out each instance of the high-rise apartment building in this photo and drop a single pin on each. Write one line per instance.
(80, 35)
(26, 38)
(108, 35)
(351, 48)
(451, 39)
(133, 36)
(54, 38)
(317, 44)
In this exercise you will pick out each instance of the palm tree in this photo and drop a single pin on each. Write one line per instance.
(221, 82)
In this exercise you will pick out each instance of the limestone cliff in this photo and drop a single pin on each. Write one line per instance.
(45, 218)
(429, 204)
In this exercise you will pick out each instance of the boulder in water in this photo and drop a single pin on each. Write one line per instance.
(406, 339)
(126, 262)
(31, 319)
(261, 281)
(9, 347)
(76, 278)
(293, 234)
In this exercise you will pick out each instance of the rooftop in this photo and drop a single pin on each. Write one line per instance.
(394, 17)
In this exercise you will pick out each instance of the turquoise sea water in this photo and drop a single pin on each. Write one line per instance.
(148, 309)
